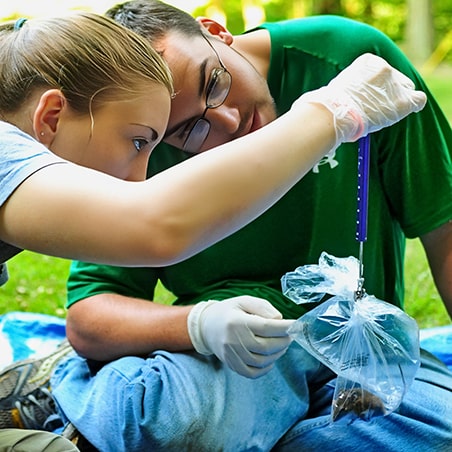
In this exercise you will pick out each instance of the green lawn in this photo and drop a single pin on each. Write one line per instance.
(440, 83)
(37, 283)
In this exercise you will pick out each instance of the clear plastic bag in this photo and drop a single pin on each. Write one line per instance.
(371, 345)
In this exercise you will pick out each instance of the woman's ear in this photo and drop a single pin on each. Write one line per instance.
(216, 29)
(47, 115)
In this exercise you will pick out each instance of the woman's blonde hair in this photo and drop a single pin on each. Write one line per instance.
(90, 58)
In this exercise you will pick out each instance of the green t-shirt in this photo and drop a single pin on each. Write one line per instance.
(409, 194)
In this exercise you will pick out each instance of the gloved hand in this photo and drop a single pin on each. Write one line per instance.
(365, 97)
(246, 333)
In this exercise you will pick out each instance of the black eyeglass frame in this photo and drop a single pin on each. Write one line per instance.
(201, 128)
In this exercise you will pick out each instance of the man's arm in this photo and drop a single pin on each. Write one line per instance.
(438, 247)
(246, 333)
(107, 326)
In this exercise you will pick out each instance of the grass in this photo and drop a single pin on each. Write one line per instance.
(38, 283)
(440, 83)
(422, 300)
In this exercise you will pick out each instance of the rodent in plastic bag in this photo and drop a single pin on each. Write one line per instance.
(352, 401)
(371, 345)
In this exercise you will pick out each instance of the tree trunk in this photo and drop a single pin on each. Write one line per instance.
(327, 7)
(419, 30)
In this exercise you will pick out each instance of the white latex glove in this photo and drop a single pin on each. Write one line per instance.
(246, 333)
(365, 97)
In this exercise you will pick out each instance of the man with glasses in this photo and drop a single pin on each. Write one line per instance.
(216, 91)
(228, 87)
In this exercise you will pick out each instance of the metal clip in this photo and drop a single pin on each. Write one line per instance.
(360, 291)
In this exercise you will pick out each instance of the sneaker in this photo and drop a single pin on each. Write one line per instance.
(25, 398)
(72, 434)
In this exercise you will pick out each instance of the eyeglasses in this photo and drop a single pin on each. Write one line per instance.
(217, 90)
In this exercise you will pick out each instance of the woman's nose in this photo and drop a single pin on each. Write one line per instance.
(138, 168)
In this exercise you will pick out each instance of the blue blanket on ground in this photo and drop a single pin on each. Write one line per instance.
(25, 335)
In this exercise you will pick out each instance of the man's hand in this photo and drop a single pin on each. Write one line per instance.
(246, 333)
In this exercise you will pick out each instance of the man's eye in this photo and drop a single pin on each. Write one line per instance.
(140, 143)
(183, 132)
(211, 85)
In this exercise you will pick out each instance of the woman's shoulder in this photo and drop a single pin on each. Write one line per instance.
(20, 156)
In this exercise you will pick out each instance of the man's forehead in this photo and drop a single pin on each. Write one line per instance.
(185, 56)
(176, 45)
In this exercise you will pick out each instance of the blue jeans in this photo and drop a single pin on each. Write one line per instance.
(422, 423)
(181, 402)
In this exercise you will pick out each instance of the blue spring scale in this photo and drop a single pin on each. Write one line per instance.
(362, 209)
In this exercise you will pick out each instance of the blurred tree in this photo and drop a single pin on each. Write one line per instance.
(419, 30)
(231, 9)
(327, 7)
(287, 9)
(418, 26)
(442, 20)
(253, 13)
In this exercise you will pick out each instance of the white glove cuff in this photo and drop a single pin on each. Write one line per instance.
(348, 121)
(194, 327)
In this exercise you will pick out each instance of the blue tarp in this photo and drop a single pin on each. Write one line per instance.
(25, 335)
(439, 342)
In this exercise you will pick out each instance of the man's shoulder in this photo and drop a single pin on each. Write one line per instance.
(328, 30)
(333, 41)
(319, 23)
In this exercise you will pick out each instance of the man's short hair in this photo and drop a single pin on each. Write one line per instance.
(153, 19)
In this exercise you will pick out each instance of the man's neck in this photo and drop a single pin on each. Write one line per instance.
(255, 47)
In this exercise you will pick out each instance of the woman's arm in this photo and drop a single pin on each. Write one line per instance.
(69, 211)
(74, 212)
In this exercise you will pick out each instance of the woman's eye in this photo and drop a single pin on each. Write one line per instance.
(140, 143)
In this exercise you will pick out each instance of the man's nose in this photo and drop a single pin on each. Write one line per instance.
(225, 118)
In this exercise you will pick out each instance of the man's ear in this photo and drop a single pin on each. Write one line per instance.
(47, 115)
(216, 29)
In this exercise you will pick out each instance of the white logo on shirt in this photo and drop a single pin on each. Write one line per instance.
(328, 159)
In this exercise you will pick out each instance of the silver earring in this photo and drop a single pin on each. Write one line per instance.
(42, 134)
